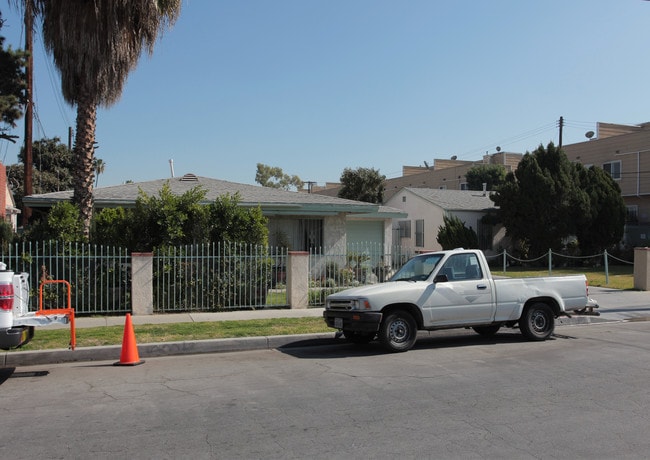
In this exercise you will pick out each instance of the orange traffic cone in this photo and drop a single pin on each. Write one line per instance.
(129, 356)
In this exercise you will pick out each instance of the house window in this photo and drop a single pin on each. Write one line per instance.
(613, 168)
(632, 214)
(464, 186)
(442, 187)
(419, 233)
(404, 228)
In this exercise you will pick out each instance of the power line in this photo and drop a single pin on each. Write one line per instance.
(55, 90)
(516, 138)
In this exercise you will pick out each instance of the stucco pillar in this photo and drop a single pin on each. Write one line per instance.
(142, 283)
(642, 269)
(298, 279)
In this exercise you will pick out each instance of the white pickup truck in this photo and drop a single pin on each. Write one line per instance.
(16, 321)
(452, 289)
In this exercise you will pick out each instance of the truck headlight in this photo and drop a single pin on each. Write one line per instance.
(361, 304)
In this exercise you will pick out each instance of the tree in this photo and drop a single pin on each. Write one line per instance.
(174, 220)
(52, 164)
(98, 165)
(491, 175)
(111, 227)
(95, 45)
(605, 223)
(168, 219)
(231, 222)
(12, 86)
(265, 175)
(362, 184)
(63, 223)
(7, 236)
(454, 234)
(541, 203)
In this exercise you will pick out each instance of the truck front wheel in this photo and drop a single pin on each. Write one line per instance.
(398, 331)
(537, 322)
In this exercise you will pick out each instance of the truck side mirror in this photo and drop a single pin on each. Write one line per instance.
(442, 278)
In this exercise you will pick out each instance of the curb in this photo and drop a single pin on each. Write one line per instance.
(159, 349)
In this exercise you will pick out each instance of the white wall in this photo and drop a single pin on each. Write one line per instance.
(417, 208)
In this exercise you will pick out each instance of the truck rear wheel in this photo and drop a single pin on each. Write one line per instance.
(537, 322)
(398, 331)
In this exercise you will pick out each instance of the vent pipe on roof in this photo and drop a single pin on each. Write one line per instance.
(484, 188)
(171, 167)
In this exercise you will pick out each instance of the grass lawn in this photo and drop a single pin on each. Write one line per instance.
(620, 276)
(45, 339)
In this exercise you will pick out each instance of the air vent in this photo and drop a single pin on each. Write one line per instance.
(189, 178)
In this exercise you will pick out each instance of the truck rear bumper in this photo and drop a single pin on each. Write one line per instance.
(357, 321)
(14, 337)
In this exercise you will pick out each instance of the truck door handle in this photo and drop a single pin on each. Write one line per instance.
(481, 286)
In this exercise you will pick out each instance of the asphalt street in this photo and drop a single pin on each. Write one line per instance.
(614, 305)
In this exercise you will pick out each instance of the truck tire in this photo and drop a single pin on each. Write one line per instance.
(487, 331)
(360, 338)
(398, 331)
(537, 322)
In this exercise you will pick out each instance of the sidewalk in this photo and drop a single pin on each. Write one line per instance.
(615, 305)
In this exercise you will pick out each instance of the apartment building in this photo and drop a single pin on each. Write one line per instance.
(442, 174)
(624, 152)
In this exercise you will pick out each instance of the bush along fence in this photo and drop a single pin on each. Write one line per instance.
(223, 276)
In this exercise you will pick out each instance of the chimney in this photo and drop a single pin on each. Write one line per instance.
(484, 188)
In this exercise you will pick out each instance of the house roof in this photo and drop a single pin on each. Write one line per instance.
(455, 200)
(272, 201)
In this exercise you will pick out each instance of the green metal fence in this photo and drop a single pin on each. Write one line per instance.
(99, 276)
(219, 276)
(333, 270)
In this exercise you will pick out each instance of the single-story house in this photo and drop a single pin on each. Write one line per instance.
(426, 208)
(297, 220)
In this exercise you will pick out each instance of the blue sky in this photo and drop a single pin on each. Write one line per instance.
(315, 86)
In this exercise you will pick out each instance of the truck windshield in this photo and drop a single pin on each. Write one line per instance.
(417, 269)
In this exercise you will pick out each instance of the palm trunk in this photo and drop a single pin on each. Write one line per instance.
(83, 173)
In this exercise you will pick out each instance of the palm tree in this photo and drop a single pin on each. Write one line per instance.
(98, 165)
(95, 44)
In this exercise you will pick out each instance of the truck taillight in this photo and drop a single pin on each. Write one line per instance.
(6, 296)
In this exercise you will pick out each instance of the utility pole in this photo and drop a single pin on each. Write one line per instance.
(561, 126)
(29, 76)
